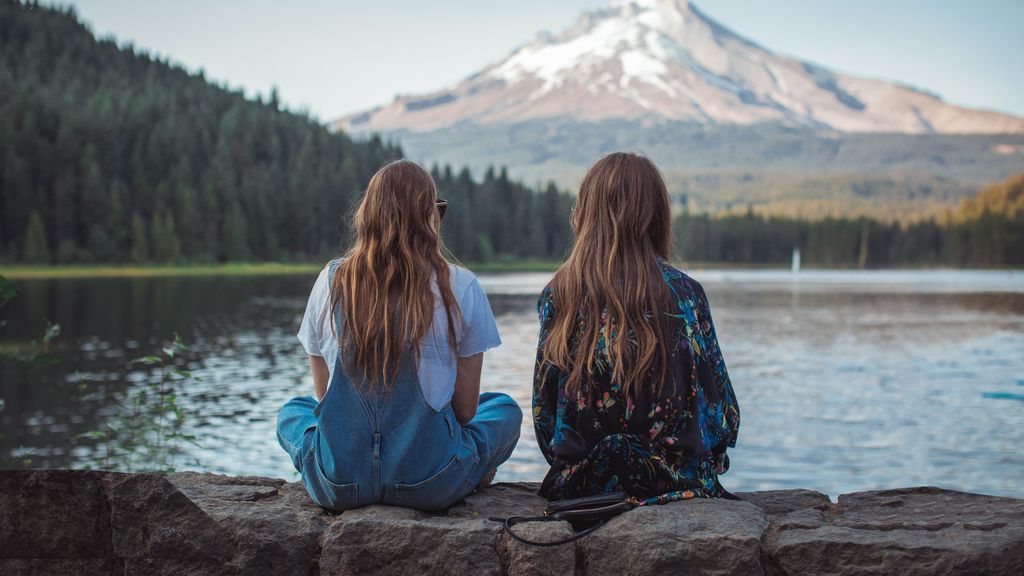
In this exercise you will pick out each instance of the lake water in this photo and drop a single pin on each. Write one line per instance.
(846, 380)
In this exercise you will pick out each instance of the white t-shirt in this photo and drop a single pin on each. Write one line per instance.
(437, 369)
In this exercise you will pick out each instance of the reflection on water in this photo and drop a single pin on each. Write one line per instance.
(846, 380)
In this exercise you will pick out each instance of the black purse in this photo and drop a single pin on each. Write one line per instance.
(588, 513)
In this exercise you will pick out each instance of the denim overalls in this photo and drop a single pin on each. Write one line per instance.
(358, 446)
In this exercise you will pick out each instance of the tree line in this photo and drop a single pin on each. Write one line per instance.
(112, 155)
(986, 230)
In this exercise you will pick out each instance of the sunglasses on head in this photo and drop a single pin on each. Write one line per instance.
(441, 205)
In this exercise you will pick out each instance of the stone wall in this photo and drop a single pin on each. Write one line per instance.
(80, 522)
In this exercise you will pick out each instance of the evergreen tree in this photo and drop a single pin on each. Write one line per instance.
(37, 249)
(166, 246)
(116, 224)
(14, 194)
(94, 195)
(236, 244)
(484, 250)
(100, 246)
(140, 241)
(189, 221)
(67, 252)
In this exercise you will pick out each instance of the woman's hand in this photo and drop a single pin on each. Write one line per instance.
(467, 387)
(321, 375)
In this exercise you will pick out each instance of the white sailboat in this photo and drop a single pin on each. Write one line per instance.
(794, 265)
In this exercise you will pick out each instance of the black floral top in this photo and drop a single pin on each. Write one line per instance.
(664, 447)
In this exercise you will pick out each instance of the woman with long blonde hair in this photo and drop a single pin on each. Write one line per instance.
(395, 336)
(630, 388)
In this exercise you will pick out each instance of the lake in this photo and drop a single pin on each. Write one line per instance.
(846, 380)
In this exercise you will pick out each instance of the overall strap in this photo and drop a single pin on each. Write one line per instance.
(374, 404)
(332, 267)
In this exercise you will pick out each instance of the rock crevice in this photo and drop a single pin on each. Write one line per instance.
(84, 522)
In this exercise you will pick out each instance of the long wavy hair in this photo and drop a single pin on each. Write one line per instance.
(622, 221)
(385, 283)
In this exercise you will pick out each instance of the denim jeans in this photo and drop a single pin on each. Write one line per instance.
(412, 456)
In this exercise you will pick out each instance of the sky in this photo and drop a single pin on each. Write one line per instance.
(332, 58)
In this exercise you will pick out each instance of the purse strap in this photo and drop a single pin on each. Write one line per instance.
(616, 503)
(508, 523)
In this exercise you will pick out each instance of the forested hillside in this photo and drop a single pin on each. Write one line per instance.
(1004, 198)
(986, 230)
(110, 155)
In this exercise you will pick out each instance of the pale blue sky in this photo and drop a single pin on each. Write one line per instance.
(337, 57)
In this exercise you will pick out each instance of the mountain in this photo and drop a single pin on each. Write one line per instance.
(730, 123)
(666, 60)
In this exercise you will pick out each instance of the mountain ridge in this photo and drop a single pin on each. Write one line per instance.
(666, 60)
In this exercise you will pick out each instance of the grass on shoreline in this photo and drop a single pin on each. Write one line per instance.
(32, 272)
(38, 272)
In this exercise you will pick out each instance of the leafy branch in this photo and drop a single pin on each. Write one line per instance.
(147, 434)
(34, 354)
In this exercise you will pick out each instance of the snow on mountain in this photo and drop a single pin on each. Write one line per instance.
(664, 59)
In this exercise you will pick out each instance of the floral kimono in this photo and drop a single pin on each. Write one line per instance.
(657, 447)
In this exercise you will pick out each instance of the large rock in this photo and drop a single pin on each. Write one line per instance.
(778, 502)
(59, 514)
(158, 530)
(907, 531)
(55, 522)
(273, 526)
(75, 522)
(389, 540)
(520, 499)
(689, 537)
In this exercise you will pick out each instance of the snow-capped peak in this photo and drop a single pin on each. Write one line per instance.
(617, 50)
(665, 59)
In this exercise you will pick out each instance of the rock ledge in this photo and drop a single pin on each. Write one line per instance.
(83, 522)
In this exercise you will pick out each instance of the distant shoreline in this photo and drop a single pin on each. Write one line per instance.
(41, 272)
(37, 272)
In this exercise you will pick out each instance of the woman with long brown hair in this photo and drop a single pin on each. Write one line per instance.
(630, 389)
(395, 336)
